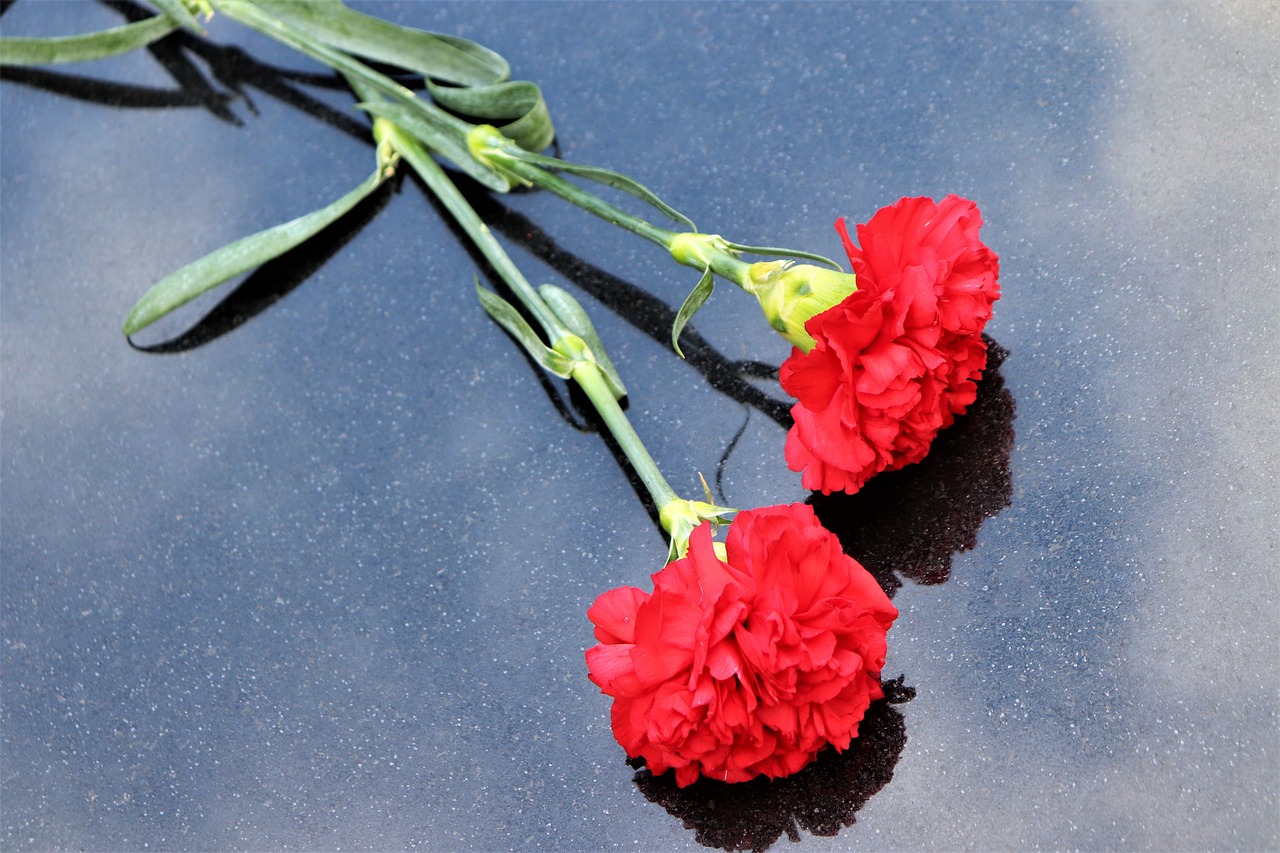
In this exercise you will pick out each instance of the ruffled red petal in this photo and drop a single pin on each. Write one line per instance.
(746, 666)
(896, 361)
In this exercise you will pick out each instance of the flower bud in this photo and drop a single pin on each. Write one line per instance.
(792, 293)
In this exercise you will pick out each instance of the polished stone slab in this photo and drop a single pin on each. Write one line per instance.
(308, 568)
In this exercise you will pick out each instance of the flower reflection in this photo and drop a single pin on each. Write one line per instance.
(821, 799)
(908, 523)
(896, 361)
(913, 521)
(748, 658)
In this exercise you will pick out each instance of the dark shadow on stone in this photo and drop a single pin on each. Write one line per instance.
(238, 72)
(910, 523)
(171, 56)
(638, 307)
(821, 799)
(906, 523)
(104, 92)
(275, 279)
(230, 74)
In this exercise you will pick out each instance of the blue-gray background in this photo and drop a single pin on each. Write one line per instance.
(320, 583)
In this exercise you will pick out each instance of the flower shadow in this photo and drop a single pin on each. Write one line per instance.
(910, 523)
(821, 799)
(903, 524)
(207, 75)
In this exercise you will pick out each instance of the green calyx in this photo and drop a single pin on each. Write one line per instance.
(680, 517)
(790, 294)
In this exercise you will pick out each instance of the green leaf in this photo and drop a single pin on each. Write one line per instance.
(533, 130)
(440, 131)
(441, 57)
(520, 100)
(609, 178)
(423, 126)
(695, 300)
(180, 287)
(480, 76)
(510, 319)
(570, 312)
(177, 10)
(784, 253)
(82, 48)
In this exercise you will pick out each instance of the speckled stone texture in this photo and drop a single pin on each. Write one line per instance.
(308, 569)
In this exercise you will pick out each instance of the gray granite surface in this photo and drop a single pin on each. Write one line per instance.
(308, 568)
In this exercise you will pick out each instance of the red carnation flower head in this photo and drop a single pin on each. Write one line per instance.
(897, 360)
(745, 660)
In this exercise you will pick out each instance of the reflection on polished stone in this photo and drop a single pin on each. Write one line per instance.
(907, 523)
(320, 585)
(821, 799)
(913, 521)
(207, 75)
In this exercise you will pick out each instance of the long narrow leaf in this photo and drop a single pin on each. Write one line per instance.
(533, 130)
(18, 50)
(444, 133)
(180, 287)
(450, 58)
(695, 300)
(519, 100)
(481, 88)
(784, 253)
(506, 316)
(609, 178)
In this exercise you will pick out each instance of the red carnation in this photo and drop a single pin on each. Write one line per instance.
(747, 665)
(895, 361)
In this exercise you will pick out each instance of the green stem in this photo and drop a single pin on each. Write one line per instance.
(369, 85)
(588, 377)
(589, 202)
(714, 253)
(586, 373)
(700, 251)
(466, 217)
